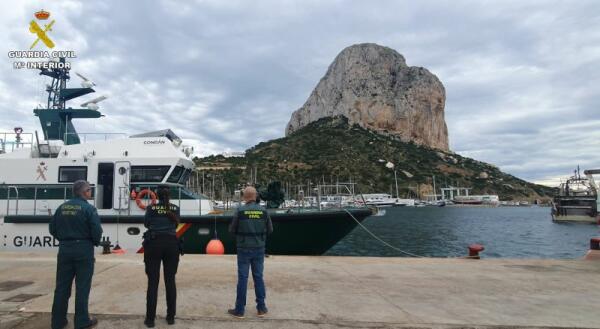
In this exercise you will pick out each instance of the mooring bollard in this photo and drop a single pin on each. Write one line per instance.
(474, 250)
(595, 244)
(594, 252)
(105, 244)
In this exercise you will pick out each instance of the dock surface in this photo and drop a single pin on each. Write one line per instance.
(322, 292)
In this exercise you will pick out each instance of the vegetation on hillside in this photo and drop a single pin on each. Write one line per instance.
(330, 150)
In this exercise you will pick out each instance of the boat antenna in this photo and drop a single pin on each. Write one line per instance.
(56, 118)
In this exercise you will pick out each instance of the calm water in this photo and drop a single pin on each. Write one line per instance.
(511, 232)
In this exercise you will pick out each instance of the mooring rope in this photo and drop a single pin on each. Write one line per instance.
(381, 240)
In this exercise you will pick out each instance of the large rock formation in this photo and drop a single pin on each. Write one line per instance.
(372, 86)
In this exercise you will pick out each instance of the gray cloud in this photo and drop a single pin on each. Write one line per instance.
(521, 77)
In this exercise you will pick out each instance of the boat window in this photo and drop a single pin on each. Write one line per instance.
(185, 176)
(148, 173)
(175, 175)
(71, 174)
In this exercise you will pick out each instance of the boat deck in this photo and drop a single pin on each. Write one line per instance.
(325, 292)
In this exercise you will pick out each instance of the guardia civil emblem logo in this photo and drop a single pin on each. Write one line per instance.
(42, 34)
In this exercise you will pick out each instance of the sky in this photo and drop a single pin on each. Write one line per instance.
(522, 78)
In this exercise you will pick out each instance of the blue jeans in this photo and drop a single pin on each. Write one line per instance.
(254, 258)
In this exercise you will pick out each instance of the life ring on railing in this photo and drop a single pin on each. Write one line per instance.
(142, 194)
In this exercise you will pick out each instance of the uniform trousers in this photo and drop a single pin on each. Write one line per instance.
(165, 249)
(75, 260)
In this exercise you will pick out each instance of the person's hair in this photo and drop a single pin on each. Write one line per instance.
(164, 195)
(249, 194)
(79, 187)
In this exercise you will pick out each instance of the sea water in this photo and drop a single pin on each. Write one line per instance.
(507, 232)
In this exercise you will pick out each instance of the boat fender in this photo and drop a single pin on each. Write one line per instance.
(142, 194)
(474, 251)
(215, 247)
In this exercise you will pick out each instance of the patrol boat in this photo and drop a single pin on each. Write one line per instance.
(37, 172)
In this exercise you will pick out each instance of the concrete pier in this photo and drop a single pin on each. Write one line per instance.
(323, 292)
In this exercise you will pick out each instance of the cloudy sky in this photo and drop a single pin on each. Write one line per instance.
(522, 77)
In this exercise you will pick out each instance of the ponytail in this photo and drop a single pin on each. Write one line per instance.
(165, 199)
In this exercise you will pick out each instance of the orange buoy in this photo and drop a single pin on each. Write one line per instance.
(215, 247)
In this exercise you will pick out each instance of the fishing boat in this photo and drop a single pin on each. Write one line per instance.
(37, 172)
(576, 200)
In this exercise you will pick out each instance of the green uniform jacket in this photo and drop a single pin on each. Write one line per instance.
(76, 219)
(157, 221)
(251, 223)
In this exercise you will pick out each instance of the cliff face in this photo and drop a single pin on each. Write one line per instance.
(372, 86)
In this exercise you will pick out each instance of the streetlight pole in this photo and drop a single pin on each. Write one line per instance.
(396, 180)
(390, 165)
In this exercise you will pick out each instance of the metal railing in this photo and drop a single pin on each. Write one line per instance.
(8, 189)
(13, 141)
(24, 199)
(16, 209)
(139, 187)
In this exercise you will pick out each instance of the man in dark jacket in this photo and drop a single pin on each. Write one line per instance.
(76, 226)
(251, 223)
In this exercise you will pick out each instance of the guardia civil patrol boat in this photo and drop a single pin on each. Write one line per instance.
(37, 172)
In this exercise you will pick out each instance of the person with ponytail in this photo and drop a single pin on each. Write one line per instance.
(161, 245)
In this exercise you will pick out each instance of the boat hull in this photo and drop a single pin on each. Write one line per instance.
(297, 232)
(574, 219)
(581, 209)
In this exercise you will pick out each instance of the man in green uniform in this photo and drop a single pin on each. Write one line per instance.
(76, 226)
(251, 223)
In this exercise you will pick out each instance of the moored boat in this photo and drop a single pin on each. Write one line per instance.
(36, 174)
(487, 199)
(576, 200)
(379, 200)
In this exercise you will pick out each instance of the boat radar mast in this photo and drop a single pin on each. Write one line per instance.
(56, 117)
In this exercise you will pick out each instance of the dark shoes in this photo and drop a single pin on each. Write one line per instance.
(170, 320)
(262, 313)
(233, 313)
(92, 324)
(149, 323)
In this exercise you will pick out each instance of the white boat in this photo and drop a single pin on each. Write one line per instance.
(487, 199)
(379, 200)
(37, 172)
(36, 176)
(404, 202)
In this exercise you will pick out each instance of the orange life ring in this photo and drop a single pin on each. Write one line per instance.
(142, 194)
